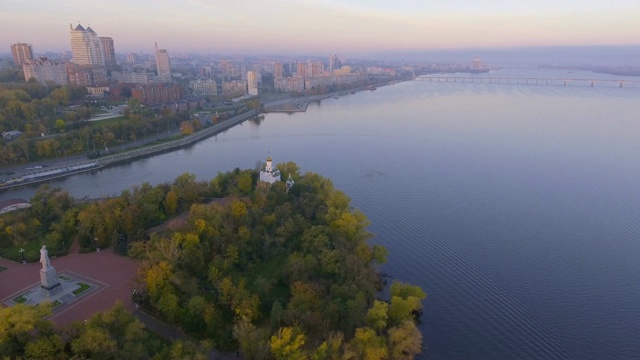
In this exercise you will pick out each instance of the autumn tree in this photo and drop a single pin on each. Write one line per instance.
(405, 341)
(287, 345)
(367, 345)
(186, 128)
(24, 327)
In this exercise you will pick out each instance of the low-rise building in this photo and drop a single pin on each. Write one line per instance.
(289, 84)
(86, 75)
(203, 87)
(234, 87)
(44, 70)
(97, 91)
(155, 94)
(132, 77)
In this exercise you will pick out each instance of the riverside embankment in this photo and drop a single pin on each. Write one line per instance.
(61, 168)
(34, 176)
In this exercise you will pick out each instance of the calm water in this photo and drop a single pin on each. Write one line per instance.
(515, 207)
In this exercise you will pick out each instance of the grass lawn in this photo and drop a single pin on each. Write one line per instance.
(83, 287)
(55, 303)
(63, 278)
(31, 253)
(20, 299)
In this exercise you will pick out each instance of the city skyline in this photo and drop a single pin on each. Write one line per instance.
(312, 27)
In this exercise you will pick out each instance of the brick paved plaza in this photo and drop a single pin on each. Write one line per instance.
(115, 273)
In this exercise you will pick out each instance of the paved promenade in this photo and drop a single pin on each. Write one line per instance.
(115, 273)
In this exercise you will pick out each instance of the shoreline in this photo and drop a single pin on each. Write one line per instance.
(289, 105)
(132, 155)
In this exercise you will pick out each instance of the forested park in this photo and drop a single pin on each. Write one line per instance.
(53, 122)
(239, 265)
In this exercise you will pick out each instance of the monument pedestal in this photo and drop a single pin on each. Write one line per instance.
(49, 281)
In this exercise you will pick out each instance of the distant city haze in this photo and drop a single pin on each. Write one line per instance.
(353, 28)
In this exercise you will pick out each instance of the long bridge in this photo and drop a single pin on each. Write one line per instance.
(524, 80)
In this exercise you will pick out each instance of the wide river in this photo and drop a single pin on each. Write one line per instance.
(516, 207)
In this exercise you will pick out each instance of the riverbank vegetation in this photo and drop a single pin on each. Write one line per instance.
(274, 272)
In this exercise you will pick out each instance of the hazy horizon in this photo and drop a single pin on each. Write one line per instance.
(351, 28)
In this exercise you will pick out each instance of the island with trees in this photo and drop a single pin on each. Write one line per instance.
(269, 271)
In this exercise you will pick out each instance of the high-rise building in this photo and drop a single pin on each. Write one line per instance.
(22, 53)
(109, 51)
(334, 63)
(163, 65)
(86, 46)
(301, 70)
(252, 83)
(278, 70)
(314, 69)
(45, 70)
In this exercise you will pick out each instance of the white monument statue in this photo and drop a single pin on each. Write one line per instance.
(48, 279)
(44, 258)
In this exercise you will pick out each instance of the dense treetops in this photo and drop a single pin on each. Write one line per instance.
(25, 333)
(274, 273)
(34, 110)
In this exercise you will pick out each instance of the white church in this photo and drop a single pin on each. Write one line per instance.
(269, 174)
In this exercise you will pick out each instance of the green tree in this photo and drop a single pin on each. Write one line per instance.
(60, 125)
(253, 341)
(46, 347)
(406, 300)
(169, 306)
(94, 343)
(276, 315)
(244, 182)
(377, 316)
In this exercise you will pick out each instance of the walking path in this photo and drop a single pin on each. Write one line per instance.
(171, 333)
(75, 247)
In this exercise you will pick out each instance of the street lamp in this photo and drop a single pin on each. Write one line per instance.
(21, 251)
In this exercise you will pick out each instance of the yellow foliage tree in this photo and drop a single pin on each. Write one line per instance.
(238, 209)
(405, 341)
(171, 202)
(284, 346)
(157, 278)
(367, 345)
